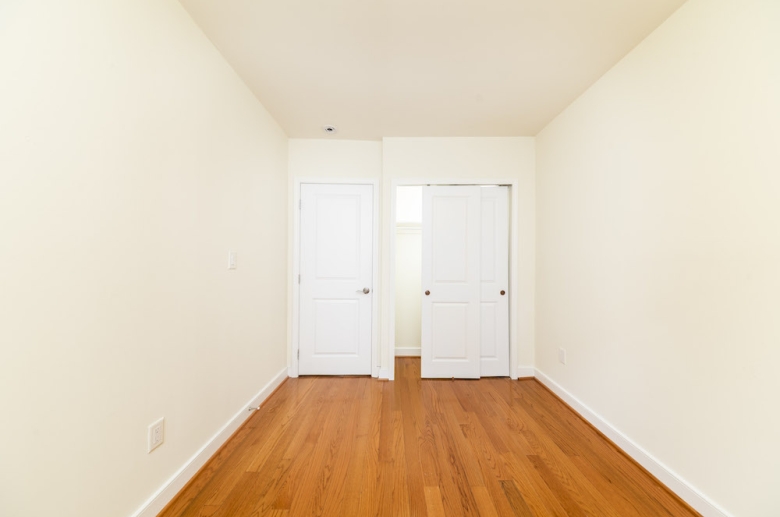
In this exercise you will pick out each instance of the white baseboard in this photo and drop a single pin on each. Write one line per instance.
(168, 491)
(667, 476)
(407, 351)
(384, 374)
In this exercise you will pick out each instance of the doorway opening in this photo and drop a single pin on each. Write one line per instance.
(335, 255)
(451, 252)
(408, 271)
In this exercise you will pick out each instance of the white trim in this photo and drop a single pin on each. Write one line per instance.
(408, 228)
(385, 374)
(170, 488)
(296, 252)
(514, 279)
(408, 351)
(667, 476)
(514, 285)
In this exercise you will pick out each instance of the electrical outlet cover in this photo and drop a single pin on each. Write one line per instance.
(156, 435)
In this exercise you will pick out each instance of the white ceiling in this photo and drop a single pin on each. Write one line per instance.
(377, 68)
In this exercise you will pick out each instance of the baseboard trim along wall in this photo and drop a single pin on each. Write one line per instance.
(407, 351)
(665, 475)
(168, 491)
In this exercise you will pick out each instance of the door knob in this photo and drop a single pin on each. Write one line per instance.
(427, 293)
(503, 292)
(365, 290)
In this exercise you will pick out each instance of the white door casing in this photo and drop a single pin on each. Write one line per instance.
(451, 282)
(336, 247)
(494, 276)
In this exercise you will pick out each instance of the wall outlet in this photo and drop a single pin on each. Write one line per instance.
(232, 259)
(562, 356)
(156, 434)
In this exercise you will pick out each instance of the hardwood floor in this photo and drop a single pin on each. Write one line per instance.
(347, 446)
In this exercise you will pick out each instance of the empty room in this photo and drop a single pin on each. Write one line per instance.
(389, 257)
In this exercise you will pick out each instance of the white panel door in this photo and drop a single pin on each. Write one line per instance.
(336, 288)
(494, 277)
(451, 282)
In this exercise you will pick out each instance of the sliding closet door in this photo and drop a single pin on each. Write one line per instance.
(451, 282)
(494, 282)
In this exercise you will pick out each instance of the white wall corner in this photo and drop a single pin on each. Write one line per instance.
(170, 488)
(525, 372)
(667, 476)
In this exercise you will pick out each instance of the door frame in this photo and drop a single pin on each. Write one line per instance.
(296, 267)
(514, 240)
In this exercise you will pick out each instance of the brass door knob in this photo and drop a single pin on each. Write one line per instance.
(503, 292)
(427, 293)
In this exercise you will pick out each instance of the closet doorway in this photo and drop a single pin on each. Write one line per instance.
(452, 250)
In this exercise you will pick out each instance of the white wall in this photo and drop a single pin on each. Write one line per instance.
(408, 271)
(469, 158)
(408, 205)
(132, 159)
(658, 251)
(334, 158)
(408, 289)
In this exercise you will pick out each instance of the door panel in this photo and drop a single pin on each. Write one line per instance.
(450, 232)
(336, 327)
(451, 276)
(494, 278)
(449, 325)
(487, 326)
(336, 265)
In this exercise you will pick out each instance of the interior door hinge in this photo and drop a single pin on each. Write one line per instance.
(299, 278)
(299, 353)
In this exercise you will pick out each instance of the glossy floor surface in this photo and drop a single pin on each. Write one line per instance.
(358, 446)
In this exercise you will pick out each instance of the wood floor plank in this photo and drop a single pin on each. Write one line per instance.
(454, 486)
(342, 446)
(536, 494)
(324, 462)
(371, 485)
(484, 501)
(354, 483)
(516, 500)
(412, 422)
(433, 502)
(288, 457)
